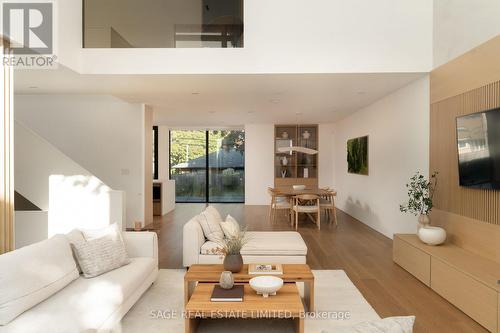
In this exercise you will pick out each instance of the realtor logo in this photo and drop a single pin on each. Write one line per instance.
(29, 27)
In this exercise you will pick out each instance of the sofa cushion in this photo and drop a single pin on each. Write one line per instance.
(110, 230)
(75, 237)
(274, 243)
(230, 227)
(101, 255)
(85, 304)
(211, 248)
(210, 223)
(34, 273)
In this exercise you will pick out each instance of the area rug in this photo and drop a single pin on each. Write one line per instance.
(338, 304)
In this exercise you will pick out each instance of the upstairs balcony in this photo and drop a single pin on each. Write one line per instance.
(163, 24)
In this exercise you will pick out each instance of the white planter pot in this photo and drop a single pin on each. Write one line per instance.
(432, 235)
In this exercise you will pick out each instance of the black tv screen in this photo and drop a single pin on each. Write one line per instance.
(478, 137)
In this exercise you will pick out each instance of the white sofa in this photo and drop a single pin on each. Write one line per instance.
(285, 247)
(84, 305)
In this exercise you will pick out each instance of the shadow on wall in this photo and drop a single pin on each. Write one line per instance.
(363, 212)
(80, 201)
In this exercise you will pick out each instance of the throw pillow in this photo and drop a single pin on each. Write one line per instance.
(100, 255)
(210, 223)
(214, 212)
(230, 227)
(386, 325)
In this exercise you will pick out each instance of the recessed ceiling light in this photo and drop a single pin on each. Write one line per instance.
(195, 93)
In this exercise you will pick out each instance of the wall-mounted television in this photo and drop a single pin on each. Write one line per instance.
(478, 141)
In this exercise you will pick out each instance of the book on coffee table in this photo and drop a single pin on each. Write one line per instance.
(265, 269)
(235, 294)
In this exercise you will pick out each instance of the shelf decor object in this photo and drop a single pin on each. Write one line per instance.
(300, 148)
(226, 280)
(420, 203)
(432, 235)
(266, 285)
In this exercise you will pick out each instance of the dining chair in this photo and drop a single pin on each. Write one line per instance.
(279, 203)
(327, 204)
(309, 204)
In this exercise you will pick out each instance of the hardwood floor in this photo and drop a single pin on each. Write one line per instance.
(364, 254)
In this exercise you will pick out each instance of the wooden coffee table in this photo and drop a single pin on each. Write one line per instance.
(286, 304)
(211, 273)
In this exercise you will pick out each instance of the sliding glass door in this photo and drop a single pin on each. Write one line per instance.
(188, 165)
(226, 166)
(208, 166)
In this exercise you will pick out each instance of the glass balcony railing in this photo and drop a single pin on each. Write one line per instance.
(162, 23)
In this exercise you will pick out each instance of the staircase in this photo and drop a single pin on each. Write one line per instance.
(54, 194)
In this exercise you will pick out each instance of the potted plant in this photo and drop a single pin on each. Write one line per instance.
(420, 203)
(231, 250)
(421, 194)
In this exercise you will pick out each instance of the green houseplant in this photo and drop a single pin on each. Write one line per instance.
(420, 197)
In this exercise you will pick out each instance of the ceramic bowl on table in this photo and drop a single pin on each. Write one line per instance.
(266, 285)
(299, 187)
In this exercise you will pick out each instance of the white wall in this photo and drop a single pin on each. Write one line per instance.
(281, 36)
(73, 197)
(461, 25)
(259, 163)
(30, 227)
(398, 130)
(101, 133)
(35, 161)
(77, 201)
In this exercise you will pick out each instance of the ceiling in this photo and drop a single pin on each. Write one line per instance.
(226, 100)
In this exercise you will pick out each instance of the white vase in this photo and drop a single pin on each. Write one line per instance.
(432, 235)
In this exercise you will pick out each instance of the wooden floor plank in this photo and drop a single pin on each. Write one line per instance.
(364, 254)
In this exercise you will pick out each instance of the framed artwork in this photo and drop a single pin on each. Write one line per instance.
(357, 155)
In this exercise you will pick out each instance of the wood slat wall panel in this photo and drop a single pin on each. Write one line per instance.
(482, 205)
(6, 158)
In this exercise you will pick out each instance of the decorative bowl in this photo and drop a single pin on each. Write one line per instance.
(266, 285)
(432, 235)
(299, 187)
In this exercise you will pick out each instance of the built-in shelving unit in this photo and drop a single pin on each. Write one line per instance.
(294, 168)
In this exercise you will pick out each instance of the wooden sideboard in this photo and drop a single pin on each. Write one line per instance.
(467, 280)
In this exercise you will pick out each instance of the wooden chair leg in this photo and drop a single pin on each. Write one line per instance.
(296, 220)
(318, 221)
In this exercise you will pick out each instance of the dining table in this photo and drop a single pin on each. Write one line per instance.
(290, 191)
